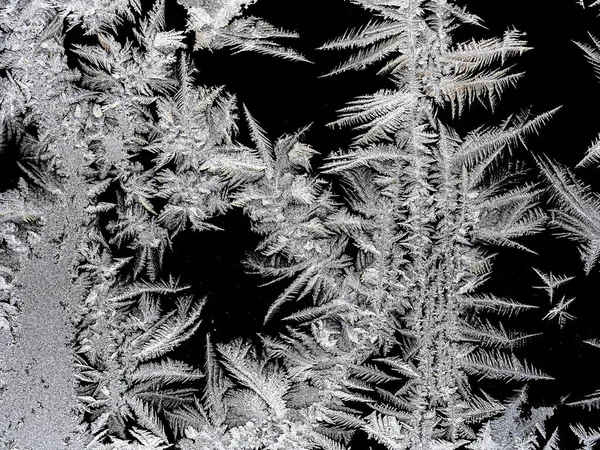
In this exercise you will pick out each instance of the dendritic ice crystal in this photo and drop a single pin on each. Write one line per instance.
(389, 274)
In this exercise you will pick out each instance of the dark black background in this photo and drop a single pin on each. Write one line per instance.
(285, 95)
